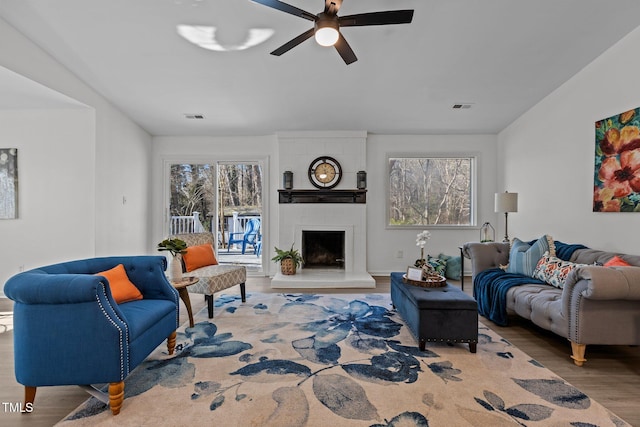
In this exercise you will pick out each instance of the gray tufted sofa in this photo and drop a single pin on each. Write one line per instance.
(598, 305)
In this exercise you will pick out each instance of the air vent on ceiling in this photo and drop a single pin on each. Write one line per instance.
(194, 116)
(461, 106)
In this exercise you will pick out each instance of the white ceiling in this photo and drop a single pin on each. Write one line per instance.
(501, 56)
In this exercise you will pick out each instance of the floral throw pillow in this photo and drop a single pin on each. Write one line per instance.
(439, 265)
(553, 271)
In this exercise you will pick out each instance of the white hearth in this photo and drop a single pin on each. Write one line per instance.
(306, 279)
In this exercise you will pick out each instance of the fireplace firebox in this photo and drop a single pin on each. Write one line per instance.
(323, 249)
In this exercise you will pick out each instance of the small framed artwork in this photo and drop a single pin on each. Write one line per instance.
(8, 183)
(414, 273)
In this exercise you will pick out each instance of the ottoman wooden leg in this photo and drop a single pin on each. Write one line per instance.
(243, 292)
(422, 345)
(473, 347)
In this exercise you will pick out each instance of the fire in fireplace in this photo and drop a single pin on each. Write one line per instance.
(323, 249)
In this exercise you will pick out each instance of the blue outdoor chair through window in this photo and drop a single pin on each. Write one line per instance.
(250, 236)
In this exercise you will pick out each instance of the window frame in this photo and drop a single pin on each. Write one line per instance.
(473, 156)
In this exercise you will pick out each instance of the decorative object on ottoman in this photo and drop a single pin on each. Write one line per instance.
(176, 247)
(421, 242)
(442, 314)
(289, 260)
(424, 277)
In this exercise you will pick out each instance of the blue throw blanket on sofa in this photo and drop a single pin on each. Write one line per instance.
(490, 286)
(490, 290)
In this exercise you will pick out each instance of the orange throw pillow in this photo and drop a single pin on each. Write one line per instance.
(122, 289)
(199, 256)
(616, 261)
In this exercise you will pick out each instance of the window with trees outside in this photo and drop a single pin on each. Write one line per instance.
(431, 191)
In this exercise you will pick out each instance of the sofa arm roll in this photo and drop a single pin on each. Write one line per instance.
(40, 288)
(484, 256)
(607, 283)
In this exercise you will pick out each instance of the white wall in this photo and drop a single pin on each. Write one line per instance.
(547, 155)
(106, 158)
(56, 220)
(384, 243)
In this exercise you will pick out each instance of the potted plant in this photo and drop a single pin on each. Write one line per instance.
(175, 247)
(289, 260)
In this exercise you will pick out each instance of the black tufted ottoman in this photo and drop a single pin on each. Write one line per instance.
(443, 314)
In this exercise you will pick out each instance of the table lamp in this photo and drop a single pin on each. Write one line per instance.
(506, 202)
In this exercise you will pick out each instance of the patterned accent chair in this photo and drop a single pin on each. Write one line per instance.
(69, 330)
(213, 278)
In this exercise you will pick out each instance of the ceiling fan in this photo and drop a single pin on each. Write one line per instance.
(326, 28)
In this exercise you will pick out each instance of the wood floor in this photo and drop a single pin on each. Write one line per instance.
(610, 376)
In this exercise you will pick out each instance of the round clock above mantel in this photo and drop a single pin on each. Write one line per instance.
(325, 172)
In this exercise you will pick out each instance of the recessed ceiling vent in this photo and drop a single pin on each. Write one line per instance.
(461, 106)
(194, 116)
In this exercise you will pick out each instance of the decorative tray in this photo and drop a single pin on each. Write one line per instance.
(436, 281)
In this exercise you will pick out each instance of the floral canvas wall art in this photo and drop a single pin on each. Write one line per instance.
(617, 163)
(8, 183)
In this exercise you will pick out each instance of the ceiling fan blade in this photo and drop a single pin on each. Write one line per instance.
(377, 18)
(284, 7)
(345, 50)
(293, 43)
(332, 7)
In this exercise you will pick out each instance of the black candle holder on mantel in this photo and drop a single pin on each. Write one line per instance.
(287, 180)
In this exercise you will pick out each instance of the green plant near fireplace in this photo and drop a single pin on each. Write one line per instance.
(289, 260)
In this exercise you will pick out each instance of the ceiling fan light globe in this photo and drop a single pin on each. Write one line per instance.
(326, 36)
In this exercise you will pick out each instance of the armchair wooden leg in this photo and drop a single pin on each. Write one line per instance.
(29, 397)
(209, 299)
(578, 351)
(243, 292)
(116, 396)
(171, 342)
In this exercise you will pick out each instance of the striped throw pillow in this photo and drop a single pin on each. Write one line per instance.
(524, 257)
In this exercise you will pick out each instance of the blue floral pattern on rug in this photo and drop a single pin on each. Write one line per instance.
(333, 351)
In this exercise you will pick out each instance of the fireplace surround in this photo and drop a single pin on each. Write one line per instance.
(340, 209)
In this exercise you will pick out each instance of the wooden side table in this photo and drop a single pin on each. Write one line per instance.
(181, 287)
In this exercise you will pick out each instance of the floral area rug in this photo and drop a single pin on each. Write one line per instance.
(6, 321)
(336, 360)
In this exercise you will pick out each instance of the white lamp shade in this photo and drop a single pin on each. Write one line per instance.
(506, 202)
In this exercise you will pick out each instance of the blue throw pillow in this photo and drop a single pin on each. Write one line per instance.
(524, 257)
(454, 266)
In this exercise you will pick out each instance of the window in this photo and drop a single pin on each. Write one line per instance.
(431, 191)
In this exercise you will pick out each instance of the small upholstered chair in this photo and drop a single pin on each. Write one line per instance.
(213, 277)
(69, 328)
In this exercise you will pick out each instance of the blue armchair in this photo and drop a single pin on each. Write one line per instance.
(68, 329)
(250, 235)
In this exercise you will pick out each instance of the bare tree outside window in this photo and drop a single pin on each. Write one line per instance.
(193, 190)
(430, 191)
